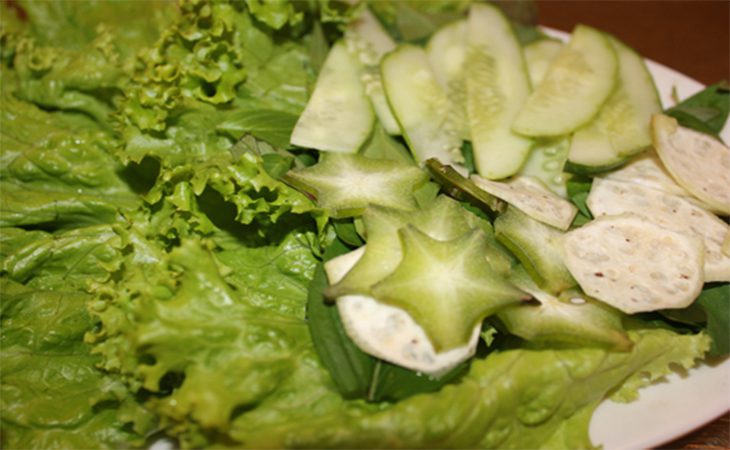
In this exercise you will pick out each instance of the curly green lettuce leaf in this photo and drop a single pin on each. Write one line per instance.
(52, 395)
(74, 24)
(57, 171)
(209, 334)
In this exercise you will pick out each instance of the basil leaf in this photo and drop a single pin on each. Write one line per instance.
(705, 111)
(350, 368)
(715, 299)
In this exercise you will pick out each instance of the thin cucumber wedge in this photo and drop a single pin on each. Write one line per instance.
(338, 103)
(539, 55)
(574, 89)
(367, 39)
(446, 52)
(546, 162)
(621, 129)
(422, 108)
(497, 85)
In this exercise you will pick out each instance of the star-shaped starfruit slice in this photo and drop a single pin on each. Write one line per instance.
(345, 184)
(443, 219)
(446, 286)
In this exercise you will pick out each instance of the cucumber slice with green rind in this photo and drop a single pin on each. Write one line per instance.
(608, 197)
(346, 184)
(546, 163)
(497, 85)
(574, 89)
(697, 161)
(570, 318)
(538, 56)
(339, 102)
(621, 129)
(446, 52)
(537, 247)
(422, 108)
(367, 39)
(633, 264)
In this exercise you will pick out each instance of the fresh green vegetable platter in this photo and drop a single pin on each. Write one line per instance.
(262, 224)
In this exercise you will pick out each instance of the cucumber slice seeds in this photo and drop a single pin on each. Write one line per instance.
(574, 89)
(497, 85)
(367, 39)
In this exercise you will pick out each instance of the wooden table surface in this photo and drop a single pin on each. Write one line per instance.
(692, 37)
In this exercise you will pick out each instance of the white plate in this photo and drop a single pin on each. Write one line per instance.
(680, 404)
(671, 409)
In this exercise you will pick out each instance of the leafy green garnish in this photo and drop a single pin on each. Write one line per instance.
(707, 111)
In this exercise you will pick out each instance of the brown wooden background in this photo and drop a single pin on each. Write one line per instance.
(692, 37)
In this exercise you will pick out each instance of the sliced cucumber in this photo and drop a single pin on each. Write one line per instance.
(608, 197)
(697, 161)
(539, 55)
(621, 129)
(574, 89)
(367, 39)
(339, 102)
(633, 264)
(446, 52)
(497, 85)
(424, 112)
(546, 163)
(537, 247)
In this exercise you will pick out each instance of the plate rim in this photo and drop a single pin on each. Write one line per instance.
(602, 430)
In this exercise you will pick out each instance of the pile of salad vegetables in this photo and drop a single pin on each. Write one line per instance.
(162, 242)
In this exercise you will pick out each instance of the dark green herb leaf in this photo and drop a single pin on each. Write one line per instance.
(393, 383)
(347, 232)
(715, 299)
(705, 111)
(351, 369)
(578, 189)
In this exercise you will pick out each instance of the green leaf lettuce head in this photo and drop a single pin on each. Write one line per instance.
(154, 271)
